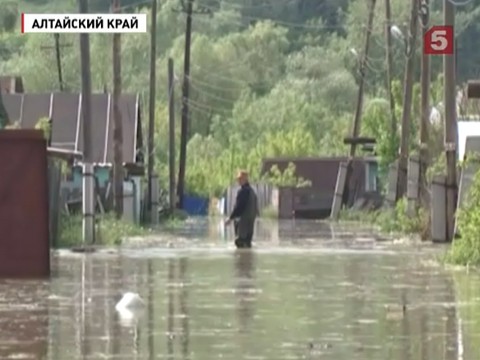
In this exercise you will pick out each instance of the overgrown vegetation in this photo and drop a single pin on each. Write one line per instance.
(394, 220)
(286, 177)
(110, 231)
(44, 125)
(466, 249)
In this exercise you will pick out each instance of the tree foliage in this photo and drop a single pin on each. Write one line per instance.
(267, 78)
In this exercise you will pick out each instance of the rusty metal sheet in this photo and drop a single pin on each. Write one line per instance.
(24, 245)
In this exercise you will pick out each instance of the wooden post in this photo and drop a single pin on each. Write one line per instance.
(58, 57)
(59, 60)
(171, 135)
(407, 102)
(425, 118)
(388, 63)
(151, 110)
(188, 9)
(185, 98)
(154, 200)
(88, 203)
(450, 124)
(118, 171)
(362, 70)
(359, 107)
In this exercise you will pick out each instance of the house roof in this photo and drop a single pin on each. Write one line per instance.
(65, 110)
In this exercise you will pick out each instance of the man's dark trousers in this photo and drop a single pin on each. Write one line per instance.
(245, 241)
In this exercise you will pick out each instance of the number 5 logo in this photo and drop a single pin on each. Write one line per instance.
(438, 40)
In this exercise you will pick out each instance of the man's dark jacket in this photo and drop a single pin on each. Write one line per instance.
(245, 210)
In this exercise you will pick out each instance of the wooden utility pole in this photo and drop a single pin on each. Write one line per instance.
(152, 96)
(118, 172)
(58, 57)
(171, 135)
(407, 101)
(188, 9)
(361, 87)
(86, 88)
(389, 65)
(59, 60)
(88, 204)
(425, 105)
(358, 111)
(185, 98)
(450, 124)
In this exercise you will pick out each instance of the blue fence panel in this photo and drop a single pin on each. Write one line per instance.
(195, 206)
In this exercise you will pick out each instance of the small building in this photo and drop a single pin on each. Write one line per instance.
(316, 200)
(65, 111)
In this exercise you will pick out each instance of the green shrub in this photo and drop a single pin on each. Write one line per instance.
(393, 220)
(109, 230)
(466, 249)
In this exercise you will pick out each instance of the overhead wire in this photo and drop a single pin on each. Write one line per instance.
(283, 23)
(213, 87)
(460, 3)
(212, 96)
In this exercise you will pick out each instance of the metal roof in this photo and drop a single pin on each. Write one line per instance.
(65, 110)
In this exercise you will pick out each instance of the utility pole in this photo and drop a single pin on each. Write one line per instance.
(188, 9)
(58, 57)
(425, 106)
(185, 98)
(450, 123)
(358, 111)
(171, 135)
(88, 204)
(118, 171)
(361, 87)
(151, 119)
(389, 62)
(407, 101)
(59, 60)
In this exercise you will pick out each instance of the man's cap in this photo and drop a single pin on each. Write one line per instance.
(242, 173)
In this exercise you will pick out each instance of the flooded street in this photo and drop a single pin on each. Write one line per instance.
(306, 291)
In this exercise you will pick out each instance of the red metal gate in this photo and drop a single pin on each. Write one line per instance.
(24, 237)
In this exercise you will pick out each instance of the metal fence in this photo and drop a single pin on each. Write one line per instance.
(265, 195)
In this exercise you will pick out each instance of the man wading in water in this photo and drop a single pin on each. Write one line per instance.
(244, 213)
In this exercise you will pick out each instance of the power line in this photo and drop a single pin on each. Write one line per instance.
(460, 3)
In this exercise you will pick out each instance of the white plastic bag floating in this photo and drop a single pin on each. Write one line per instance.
(130, 308)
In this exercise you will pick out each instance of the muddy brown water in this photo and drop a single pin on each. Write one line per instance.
(306, 291)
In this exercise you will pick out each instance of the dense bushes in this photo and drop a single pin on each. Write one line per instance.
(466, 249)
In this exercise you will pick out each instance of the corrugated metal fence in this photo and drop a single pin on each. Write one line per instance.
(266, 195)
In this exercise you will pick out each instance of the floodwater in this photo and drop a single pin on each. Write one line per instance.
(307, 291)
